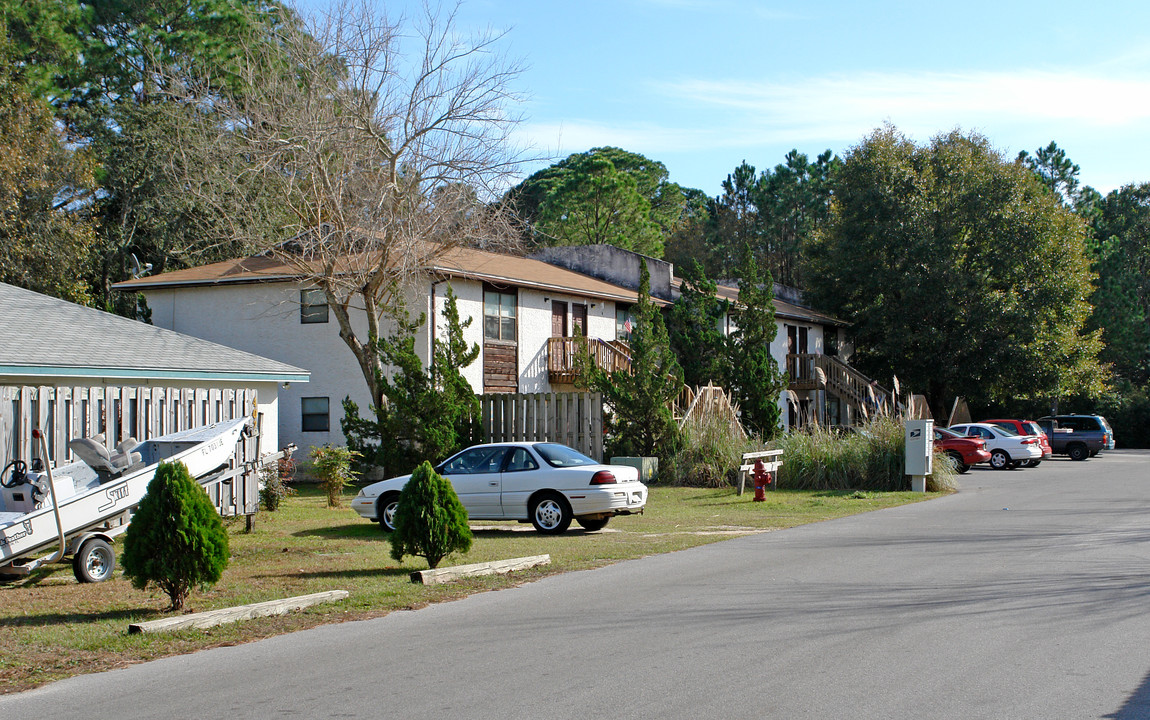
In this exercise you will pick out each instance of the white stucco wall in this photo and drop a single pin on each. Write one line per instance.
(265, 319)
(535, 329)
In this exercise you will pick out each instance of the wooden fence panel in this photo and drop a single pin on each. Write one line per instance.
(574, 419)
(144, 412)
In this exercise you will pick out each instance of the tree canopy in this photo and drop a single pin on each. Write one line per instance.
(1122, 299)
(603, 196)
(960, 273)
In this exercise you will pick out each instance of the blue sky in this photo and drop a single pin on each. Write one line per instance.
(702, 85)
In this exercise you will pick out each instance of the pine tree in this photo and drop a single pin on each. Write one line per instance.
(176, 540)
(430, 521)
(693, 329)
(755, 379)
(641, 422)
(428, 414)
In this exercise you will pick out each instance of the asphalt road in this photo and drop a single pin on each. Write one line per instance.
(1023, 596)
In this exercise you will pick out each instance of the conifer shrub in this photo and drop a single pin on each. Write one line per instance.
(177, 540)
(430, 521)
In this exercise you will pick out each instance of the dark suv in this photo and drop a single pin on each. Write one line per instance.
(1079, 436)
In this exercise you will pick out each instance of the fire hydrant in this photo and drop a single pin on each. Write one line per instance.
(763, 480)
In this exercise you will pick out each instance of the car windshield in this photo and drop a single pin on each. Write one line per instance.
(1005, 431)
(944, 434)
(557, 455)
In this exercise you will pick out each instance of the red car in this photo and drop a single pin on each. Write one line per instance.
(1027, 427)
(962, 451)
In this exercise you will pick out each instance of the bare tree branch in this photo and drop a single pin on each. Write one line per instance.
(387, 142)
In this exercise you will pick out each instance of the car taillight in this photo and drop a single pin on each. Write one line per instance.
(1029, 440)
(603, 477)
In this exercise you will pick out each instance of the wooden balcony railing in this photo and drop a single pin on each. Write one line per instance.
(809, 371)
(607, 355)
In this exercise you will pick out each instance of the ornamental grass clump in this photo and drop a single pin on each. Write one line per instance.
(177, 540)
(430, 521)
(872, 458)
(709, 453)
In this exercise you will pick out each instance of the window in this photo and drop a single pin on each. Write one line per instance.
(312, 306)
(315, 414)
(624, 323)
(499, 315)
(475, 460)
(521, 460)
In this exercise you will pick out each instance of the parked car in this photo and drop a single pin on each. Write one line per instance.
(962, 451)
(1079, 436)
(1007, 449)
(1028, 427)
(546, 484)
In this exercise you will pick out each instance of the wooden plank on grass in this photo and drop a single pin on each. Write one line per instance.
(212, 618)
(441, 575)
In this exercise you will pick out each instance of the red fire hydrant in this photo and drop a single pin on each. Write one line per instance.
(763, 480)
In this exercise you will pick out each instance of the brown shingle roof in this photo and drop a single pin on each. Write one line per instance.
(783, 309)
(457, 262)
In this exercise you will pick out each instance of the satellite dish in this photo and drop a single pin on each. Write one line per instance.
(138, 270)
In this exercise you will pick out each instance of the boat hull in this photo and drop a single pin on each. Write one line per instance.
(202, 451)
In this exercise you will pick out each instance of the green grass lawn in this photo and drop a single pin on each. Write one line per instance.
(52, 627)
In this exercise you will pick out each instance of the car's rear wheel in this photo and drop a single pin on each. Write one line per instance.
(1000, 460)
(592, 524)
(551, 514)
(1033, 463)
(1077, 452)
(957, 463)
(385, 511)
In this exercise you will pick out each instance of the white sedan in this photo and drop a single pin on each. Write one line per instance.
(546, 484)
(1007, 450)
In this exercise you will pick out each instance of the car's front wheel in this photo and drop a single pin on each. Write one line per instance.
(385, 511)
(551, 514)
(1000, 460)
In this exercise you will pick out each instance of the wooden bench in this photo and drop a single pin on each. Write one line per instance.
(772, 459)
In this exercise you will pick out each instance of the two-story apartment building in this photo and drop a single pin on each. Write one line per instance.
(523, 313)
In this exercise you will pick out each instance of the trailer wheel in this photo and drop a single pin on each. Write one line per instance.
(94, 562)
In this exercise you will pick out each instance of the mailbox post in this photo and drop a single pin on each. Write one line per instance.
(919, 452)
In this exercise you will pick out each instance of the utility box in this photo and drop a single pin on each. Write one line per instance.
(648, 467)
(919, 452)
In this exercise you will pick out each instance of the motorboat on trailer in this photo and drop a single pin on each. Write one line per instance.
(81, 506)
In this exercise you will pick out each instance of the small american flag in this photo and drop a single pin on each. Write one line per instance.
(627, 325)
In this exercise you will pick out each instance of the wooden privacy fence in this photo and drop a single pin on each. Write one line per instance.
(142, 412)
(572, 418)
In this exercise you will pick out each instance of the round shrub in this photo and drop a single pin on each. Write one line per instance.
(177, 540)
(429, 519)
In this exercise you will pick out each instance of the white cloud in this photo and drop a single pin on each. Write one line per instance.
(699, 120)
(829, 106)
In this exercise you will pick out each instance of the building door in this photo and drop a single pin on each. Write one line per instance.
(558, 319)
(579, 319)
(803, 338)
